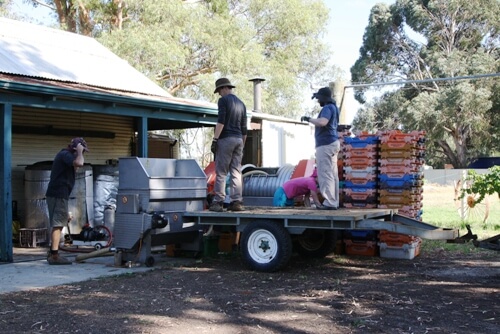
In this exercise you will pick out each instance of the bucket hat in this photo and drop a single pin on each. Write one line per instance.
(223, 82)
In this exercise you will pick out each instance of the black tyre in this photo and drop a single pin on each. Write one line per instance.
(316, 243)
(266, 246)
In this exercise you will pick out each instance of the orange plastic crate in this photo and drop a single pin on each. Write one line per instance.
(360, 174)
(398, 154)
(397, 135)
(401, 200)
(372, 147)
(395, 239)
(411, 169)
(364, 248)
(359, 205)
(401, 192)
(358, 161)
(360, 153)
(352, 191)
(404, 251)
(401, 161)
(400, 145)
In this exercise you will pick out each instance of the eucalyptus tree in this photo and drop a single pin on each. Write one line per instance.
(185, 45)
(420, 40)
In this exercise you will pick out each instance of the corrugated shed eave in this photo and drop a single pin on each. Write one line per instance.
(22, 84)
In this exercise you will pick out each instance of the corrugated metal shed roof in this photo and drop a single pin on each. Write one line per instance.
(41, 52)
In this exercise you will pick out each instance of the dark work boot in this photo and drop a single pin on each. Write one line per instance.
(216, 207)
(235, 206)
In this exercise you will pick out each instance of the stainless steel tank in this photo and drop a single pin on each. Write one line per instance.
(36, 182)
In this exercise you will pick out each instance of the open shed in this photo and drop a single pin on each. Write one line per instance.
(56, 85)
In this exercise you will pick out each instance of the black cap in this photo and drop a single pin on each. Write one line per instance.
(323, 94)
(79, 140)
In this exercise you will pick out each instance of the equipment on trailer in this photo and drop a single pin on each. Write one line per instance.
(161, 202)
(152, 196)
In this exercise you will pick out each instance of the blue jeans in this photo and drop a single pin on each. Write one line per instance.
(280, 198)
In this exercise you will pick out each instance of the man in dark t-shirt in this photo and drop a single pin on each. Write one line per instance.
(62, 181)
(229, 139)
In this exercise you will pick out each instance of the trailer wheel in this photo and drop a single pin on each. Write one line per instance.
(266, 246)
(316, 243)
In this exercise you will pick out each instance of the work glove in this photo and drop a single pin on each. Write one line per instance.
(305, 119)
(213, 148)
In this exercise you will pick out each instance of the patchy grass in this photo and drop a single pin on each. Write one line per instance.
(440, 209)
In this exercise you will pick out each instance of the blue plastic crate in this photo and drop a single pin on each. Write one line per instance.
(360, 143)
(406, 178)
(368, 184)
(367, 235)
(403, 184)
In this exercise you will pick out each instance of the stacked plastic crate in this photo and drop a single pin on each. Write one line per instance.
(361, 242)
(398, 246)
(343, 131)
(360, 171)
(401, 172)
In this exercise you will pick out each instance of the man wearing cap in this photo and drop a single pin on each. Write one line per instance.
(62, 181)
(229, 139)
(327, 147)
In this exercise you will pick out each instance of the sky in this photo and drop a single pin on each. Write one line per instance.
(348, 20)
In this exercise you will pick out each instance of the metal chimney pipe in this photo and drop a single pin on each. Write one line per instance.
(257, 93)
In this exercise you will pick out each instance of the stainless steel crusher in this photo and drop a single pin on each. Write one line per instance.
(152, 196)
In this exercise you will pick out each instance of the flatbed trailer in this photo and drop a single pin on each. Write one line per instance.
(161, 201)
(267, 233)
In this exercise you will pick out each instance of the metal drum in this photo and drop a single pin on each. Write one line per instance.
(259, 187)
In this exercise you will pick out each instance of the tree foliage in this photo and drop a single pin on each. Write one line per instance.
(418, 40)
(186, 45)
(482, 184)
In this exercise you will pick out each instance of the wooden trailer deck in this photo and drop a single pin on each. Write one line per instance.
(299, 218)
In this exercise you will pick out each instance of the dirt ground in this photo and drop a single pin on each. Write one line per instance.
(436, 292)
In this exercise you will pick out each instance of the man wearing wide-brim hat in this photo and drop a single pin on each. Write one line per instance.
(229, 140)
(327, 147)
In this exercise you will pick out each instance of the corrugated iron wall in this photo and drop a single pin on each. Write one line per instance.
(28, 149)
